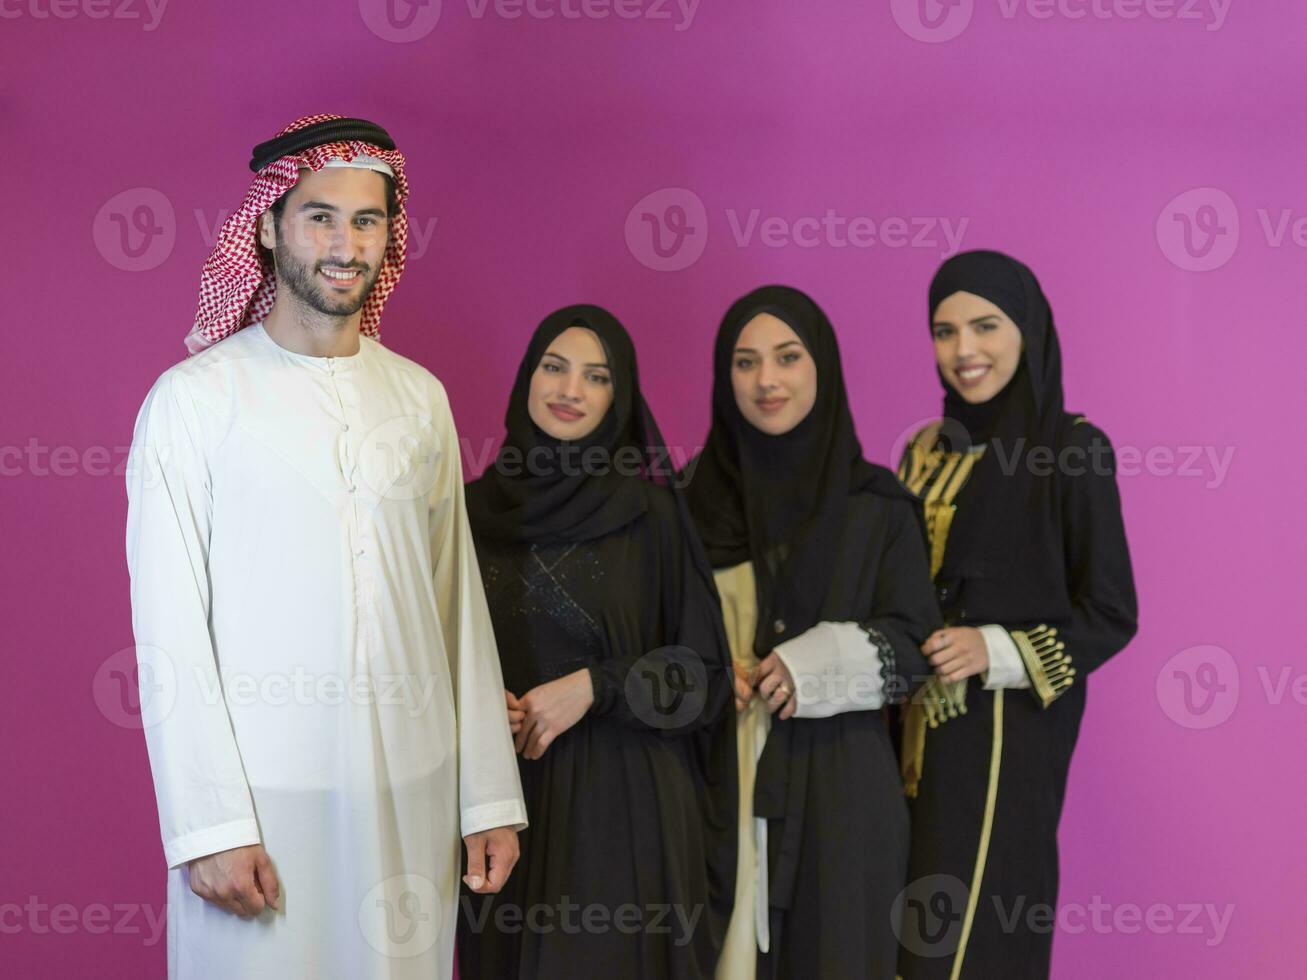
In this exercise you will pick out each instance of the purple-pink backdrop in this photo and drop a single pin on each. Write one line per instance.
(1144, 156)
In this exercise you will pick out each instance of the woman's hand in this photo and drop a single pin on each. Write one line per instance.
(776, 686)
(549, 710)
(743, 687)
(515, 713)
(956, 653)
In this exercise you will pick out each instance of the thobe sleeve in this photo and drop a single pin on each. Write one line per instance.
(490, 790)
(1100, 581)
(204, 800)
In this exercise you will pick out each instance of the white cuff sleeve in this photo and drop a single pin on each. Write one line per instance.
(212, 840)
(836, 668)
(509, 813)
(1005, 667)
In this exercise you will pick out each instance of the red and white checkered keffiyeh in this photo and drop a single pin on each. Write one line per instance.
(236, 289)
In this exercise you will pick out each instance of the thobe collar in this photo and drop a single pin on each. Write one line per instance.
(324, 364)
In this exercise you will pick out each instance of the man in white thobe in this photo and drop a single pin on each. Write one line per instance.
(321, 693)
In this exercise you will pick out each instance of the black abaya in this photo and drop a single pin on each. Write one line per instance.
(1041, 551)
(628, 866)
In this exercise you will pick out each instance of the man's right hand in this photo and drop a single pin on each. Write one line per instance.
(241, 880)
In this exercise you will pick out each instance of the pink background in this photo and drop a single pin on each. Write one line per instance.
(1061, 139)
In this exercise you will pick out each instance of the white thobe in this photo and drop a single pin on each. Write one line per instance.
(314, 649)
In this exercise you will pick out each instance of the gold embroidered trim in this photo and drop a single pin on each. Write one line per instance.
(942, 701)
(946, 473)
(1047, 662)
(986, 829)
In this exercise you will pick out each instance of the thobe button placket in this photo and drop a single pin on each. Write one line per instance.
(348, 467)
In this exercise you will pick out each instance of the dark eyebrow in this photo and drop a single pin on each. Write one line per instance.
(324, 206)
(750, 350)
(560, 357)
(979, 319)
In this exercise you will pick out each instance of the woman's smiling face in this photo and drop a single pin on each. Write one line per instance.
(977, 346)
(773, 375)
(571, 387)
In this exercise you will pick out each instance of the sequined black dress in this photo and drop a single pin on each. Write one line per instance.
(625, 815)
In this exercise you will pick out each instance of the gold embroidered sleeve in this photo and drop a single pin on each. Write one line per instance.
(1047, 662)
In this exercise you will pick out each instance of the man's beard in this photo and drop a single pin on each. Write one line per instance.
(301, 279)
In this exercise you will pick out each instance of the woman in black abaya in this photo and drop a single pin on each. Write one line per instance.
(617, 680)
(1029, 557)
(823, 580)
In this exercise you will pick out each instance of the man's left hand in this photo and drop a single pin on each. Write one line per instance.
(491, 855)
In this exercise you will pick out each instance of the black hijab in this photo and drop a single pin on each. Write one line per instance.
(780, 500)
(542, 489)
(1005, 556)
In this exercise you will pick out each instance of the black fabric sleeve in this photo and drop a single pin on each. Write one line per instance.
(1100, 581)
(903, 609)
